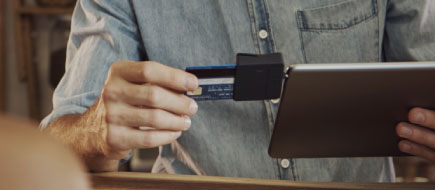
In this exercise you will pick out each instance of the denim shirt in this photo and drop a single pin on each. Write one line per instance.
(229, 138)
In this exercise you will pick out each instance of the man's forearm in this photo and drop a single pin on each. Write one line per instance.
(134, 94)
(85, 134)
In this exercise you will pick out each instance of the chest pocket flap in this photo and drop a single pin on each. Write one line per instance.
(337, 16)
(347, 31)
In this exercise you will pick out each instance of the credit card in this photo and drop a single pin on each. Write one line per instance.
(215, 82)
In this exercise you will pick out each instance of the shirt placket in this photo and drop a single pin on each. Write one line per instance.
(263, 38)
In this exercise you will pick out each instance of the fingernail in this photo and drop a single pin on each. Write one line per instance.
(405, 131)
(191, 82)
(419, 117)
(193, 107)
(187, 123)
(405, 147)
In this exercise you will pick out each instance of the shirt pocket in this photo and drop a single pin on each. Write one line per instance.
(347, 31)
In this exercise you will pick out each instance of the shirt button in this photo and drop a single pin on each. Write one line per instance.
(275, 101)
(263, 34)
(285, 163)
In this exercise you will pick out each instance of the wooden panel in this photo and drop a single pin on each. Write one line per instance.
(131, 180)
(19, 42)
(2, 54)
(45, 11)
(32, 84)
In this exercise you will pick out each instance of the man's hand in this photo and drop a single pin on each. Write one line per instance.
(419, 133)
(135, 94)
(145, 94)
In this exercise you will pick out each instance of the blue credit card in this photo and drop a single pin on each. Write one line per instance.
(215, 82)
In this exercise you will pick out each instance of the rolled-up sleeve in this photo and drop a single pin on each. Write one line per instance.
(410, 31)
(102, 32)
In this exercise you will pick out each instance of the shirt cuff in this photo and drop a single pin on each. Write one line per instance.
(61, 111)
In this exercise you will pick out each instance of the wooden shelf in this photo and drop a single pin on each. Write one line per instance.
(26, 66)
(45, 10)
